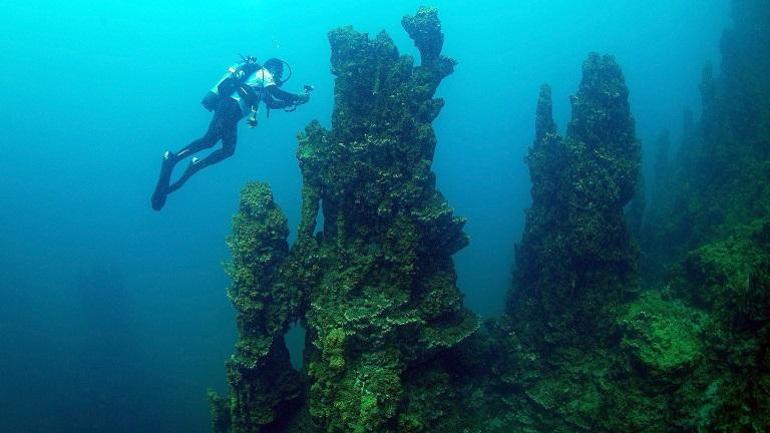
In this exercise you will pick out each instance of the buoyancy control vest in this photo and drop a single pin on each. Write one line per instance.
(229, 83)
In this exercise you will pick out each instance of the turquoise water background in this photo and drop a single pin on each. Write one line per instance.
(113, 318)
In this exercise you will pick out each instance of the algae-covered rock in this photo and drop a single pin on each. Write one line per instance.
(220, 413)
(730, 279)
(708, 238)
(664, 335)
(425, 28)
(262, 381)
(386, 302)
(556, 355)
(582, 349)
(729, 276)
(576, 262)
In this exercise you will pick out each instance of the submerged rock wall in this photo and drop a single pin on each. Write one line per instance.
(584, 347)
(706, 243)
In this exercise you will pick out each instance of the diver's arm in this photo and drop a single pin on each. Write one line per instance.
(278, 98)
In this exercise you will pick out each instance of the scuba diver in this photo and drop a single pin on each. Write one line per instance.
(237, 95)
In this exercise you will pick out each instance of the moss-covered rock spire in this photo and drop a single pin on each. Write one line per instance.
(262, 381)
(575, 259)
(387, 305)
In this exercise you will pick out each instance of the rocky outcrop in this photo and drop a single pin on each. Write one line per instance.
(263, 385)
(387, 304)
(575, 262)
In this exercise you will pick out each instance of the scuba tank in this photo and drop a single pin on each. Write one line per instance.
(230, 81)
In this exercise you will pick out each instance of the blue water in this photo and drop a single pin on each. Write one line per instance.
(113, 318)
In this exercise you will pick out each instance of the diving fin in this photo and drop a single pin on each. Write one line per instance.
(161, 188)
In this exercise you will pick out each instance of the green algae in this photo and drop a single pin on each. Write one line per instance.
(730, 279)
(663, 334)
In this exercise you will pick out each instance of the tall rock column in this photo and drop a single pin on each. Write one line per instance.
(576, 262)
(386, 310)
(263, 385)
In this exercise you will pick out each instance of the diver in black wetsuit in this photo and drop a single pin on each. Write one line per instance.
(237, 95)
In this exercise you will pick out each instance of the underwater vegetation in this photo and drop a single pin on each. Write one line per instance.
(622, 317)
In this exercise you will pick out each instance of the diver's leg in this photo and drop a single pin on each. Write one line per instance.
(229, 139)
(209, 139)
(199, 164)
(170, 159)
